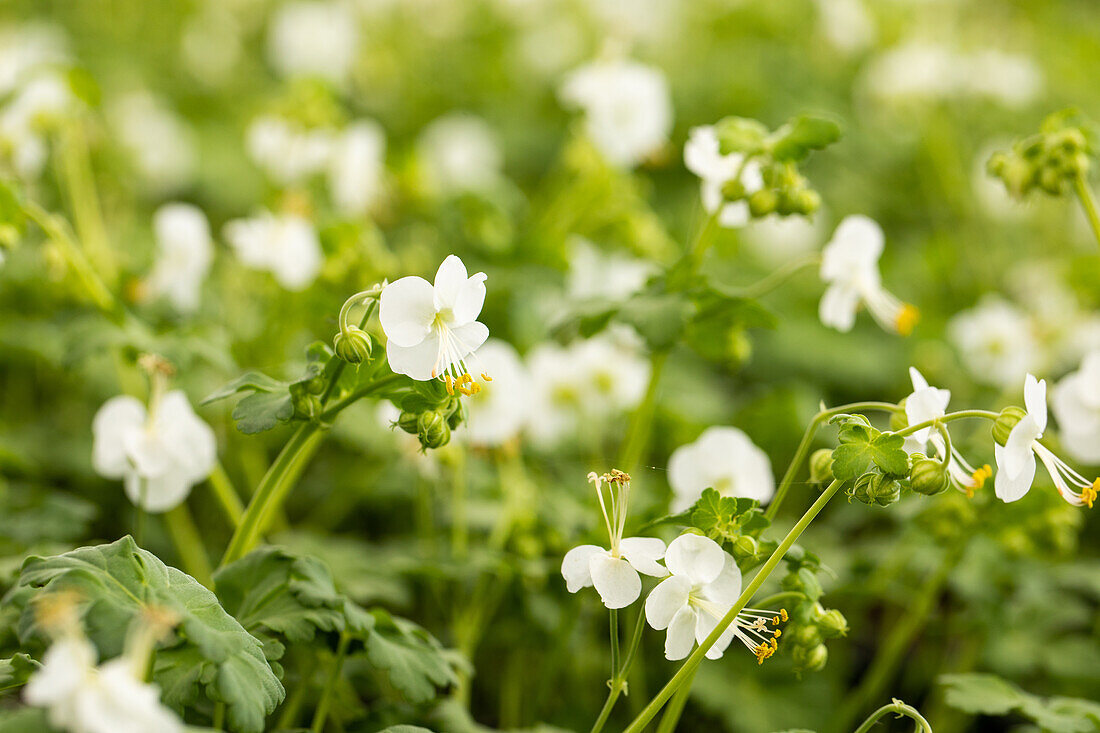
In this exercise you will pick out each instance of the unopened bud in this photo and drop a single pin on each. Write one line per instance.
(876, 488)
(306, 406)
(832, 624)
(733, 190)
(353, 345)
(810, 659)
(409, 422)
(821, 466)
(763, 202)
(928, 476)
(1007, 420)
(807, 636)
(432, 430)
(805, 201)
(745, 547)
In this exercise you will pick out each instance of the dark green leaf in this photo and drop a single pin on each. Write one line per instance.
(411, 658)
(15, 671)
(262, 411)
(861, 445)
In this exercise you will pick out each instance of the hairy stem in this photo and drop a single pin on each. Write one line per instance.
(901, 710)
(778, 277)
(1088, 202)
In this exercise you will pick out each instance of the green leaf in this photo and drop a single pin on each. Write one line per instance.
(659, 318)
(740, 135)
(15, 671)
(412, 659)
(983, 694)
(24, 720)
(261, 411)
(210, 652)
(248, 382)
(862, 445)
(404, 729)
(721, 517)
(796, 139)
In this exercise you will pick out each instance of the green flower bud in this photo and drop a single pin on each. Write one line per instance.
(832, 624)
(805, 201)
(733, 190)
(1007, 420)
(409, 422)
(306, 406)
(875, 488)
(745, 547)
(928, 476)
(432, 430)
(810, 659)
(315, 384)
(821, 466)
(807, 636)
(1051, 180)
(763, 202)
(353, 345)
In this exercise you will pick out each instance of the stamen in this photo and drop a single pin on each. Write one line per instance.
(1088, 494)
(978, 479)
(486, 377)
(450, 384)
(906, 319)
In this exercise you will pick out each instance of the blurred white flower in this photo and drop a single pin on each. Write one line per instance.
(160, 453)
(210, 43)
(313, 38)
(846, 24)
(184, 254)
(27, 48)
(627, 108)
(723, 459)
(285, 245)
(613, 572)
(459, 153)
(1016, 458)
(499, 411)
(36, 108)
(287, 153)
(357, 167)
(930, 403)
(703, 157)
(1012, 80)
(779, 239)
(849, 266)
(594, 274)
(159, 142)
(995, 342)
(1076, 403)
(430, 328)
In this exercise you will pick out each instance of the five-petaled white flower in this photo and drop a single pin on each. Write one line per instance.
(432, 328)
(184, 254)
(930, 403)
(613, 572)
(996, 341)
(1016, 459)
(723, 459)
(160, 453)
(286, 245)
(849, 265)
(704, 585)
(1076, 403)
(459, 153)
(703, 157)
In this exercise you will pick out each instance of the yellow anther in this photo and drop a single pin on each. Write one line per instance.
(450, 384)
(777, 633)
(978, 479)
(783, 614)
(486, 377)
(1088, 494)
(907, 319)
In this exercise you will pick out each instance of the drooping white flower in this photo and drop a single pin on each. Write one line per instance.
(159, 142)
(613, 572)
(430, 328)
(459, 153)
(595, 274)
(313, 38)
(356, 167)
(285, 245)
(995, 341)
(288, 153)
(502, 406)
(627, 108)
(723, 459)
(159, 453)
(930, 403)
(1016, 458)
(703, 585)
(849, 266)
(703, 157)
(1076, 403)
(184, 254)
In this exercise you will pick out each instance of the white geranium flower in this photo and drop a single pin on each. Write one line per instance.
(1076, 402)
(723, 459)
(780, 239)
(1016, 458)
(313, 38)
(703, 157)
(594, 274)
(184, 254)
(430, 328)
(288, 153)
(502, 406)
(160, 144)
(930, 403)
(159, 453)
(613, 572)
(846, 24)
(459, 153)
(627, 108)
(285, 245)
(704, 585)
(849, 265)
(26, 119)
(26, 48)
(996, 342)
(357, 166)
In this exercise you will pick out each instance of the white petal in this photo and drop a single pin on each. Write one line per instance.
(470, 337)
(1017, 449)
(471, 297)
(450, 278)
(681, 634)
(697, 558)
(615, 580)
(665, 600)
(1010, 488)
(407, 310)
(149, 452)
(159, 493)
(705, 625)
(927, 403)
(574, 567)
(1035, 400)
(187, 437)
(421, 362)
(643, 553)
(838, 307)
(734, 215)
(117, 417)
(919, 382)
(726, 588)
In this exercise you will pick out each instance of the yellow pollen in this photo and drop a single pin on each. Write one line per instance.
(450, 383)
(1088, 494)
(783, 614)
(979, 478)
(486, 377)
(907, 319)
(777, 633)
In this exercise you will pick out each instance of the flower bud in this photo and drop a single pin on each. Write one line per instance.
(821, 466)
(810, 659)
(733, 190)
(315, 384)
(832, 624)
(306, 406)
(745, 547)
(807, 636)
(805, 201)
(763, 202)
(1051, 180)
(1007, 420)
(928, 476)
(409, 422)
(876, 488)
(353, 345)
(432, 430)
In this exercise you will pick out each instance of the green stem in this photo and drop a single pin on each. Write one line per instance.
(676, 706)
(376, 385)
(778, 277)
(185, 536)
(950, 417)
(901, 710)
(641, 424)
(1088, 201)
(218, 721)
(338, 370)
(687, 669)
(617, 683)
(614, 612)
(330, 685)
(76, 173)
(775, 598)
(226, 494)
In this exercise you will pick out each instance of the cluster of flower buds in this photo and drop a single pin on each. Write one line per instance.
(811, 624)
(785, 192)
(1058, 154)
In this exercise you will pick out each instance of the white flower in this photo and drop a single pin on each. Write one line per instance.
(288, 153)
(995, 341)
(159, 142)
(780, 239)
(703, 157)
(849, 265)
(459, 153)
(430, 328)
(501, 408)
(313, 39)
(159, 453)
(613, 572)
(627, 108)
(594, 274)
(723, 459)
(846, 24)
(357, 166)
(26, 48)
(1012, 80)
(1016, 459)
(1076, 402)
(704, 585)
(930, 403)
(36, 108)
(184, 254)
(285, 245)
